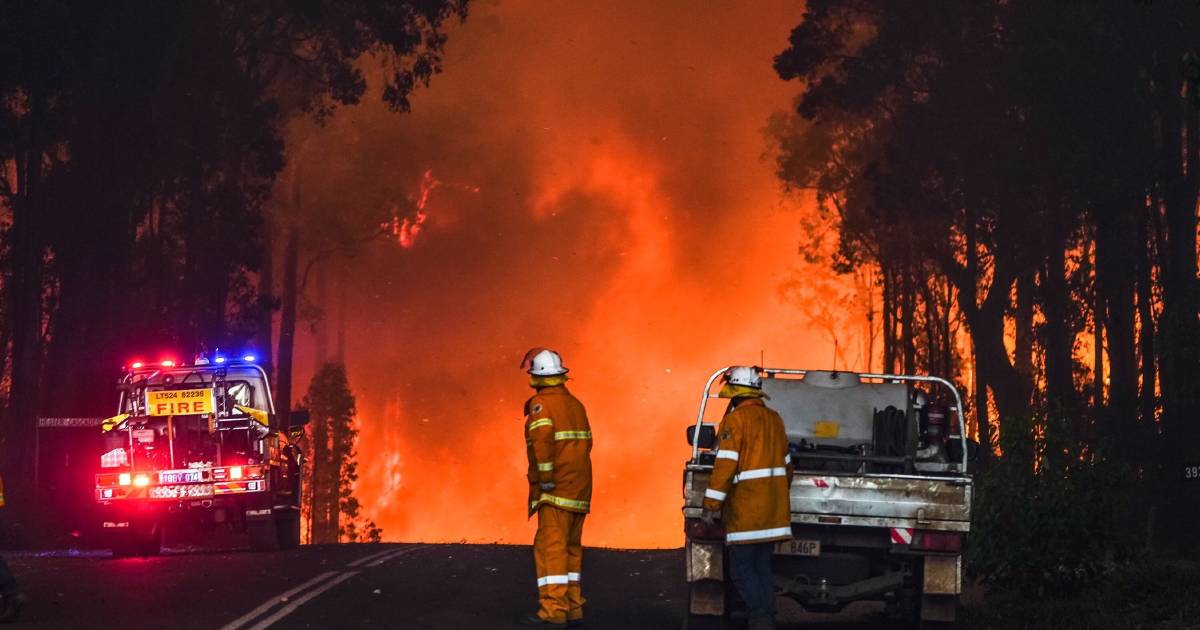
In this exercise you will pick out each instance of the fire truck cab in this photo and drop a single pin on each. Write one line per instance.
(199, 443)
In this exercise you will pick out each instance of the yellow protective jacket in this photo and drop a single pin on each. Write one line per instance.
(752, 475)
(1, 491)
(558, 442)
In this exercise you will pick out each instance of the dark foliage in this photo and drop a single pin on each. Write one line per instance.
(139, 143)
(1035, 161)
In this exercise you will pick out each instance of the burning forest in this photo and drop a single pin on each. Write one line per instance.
(300, 250)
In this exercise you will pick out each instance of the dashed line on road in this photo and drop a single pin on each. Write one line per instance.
(314, 587)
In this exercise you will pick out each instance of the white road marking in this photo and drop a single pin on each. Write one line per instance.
(366, 559)
(394, 554)
(318, 584)
(274, 601)
(287, 610)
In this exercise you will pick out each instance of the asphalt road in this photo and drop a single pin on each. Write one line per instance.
(434, 587)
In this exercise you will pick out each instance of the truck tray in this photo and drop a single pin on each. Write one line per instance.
(882, 500)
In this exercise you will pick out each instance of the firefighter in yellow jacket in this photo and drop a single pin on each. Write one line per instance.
(558, 444)
(748, 490)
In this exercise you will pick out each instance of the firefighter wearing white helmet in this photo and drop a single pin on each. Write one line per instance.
(748, 490)
(558, 444)
(546, 363)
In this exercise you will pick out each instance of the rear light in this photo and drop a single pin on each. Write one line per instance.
(237, 472)
(936, 541)
(141, 480)
(124, 479)
(697, 529)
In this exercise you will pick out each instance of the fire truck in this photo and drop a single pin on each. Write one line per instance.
(880, 497)
(199, 445)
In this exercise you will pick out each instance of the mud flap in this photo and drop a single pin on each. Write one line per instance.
(943, 575)
(705, 576)
(942, 584)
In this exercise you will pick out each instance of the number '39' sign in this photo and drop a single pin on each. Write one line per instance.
(1191, 472)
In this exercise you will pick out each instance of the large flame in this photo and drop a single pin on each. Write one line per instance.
(626, 217)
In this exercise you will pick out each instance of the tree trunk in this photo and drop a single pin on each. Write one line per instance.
(341, 317)
(1148, 399)
(1116, 242)
(907, 308)
(947, 341)
(287, 323)
(325, 322)
(322, 480)
(1023, 359)
(1060, 382)
(266, 299)
(889, 331)
(25, 300)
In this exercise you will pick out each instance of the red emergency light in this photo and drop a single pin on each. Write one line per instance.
(137, 365)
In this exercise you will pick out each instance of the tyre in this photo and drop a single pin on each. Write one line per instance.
(287, 528)
(264, 536)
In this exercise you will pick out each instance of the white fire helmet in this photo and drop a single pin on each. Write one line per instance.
(543, 362)
(744, 375)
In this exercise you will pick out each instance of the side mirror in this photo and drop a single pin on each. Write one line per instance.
(298, 418)
(706, 436)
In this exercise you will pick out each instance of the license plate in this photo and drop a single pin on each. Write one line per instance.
(181, 492)
(180, 476)
(179, 402)
(798, 547)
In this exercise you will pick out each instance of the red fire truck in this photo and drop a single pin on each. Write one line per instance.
(199, 443)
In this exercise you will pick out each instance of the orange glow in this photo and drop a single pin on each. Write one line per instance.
(624, 215)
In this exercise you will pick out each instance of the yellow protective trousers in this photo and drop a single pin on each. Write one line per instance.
(558, 555)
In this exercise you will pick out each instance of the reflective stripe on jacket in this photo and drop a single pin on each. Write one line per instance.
(752, 476)
(558, 443)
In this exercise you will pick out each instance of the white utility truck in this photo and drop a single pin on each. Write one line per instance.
(880, 499)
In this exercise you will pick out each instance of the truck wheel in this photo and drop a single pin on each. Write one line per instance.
(264, 536)
(287, 528)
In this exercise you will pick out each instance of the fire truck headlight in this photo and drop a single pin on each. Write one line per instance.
(235, 472)
(141, 480)
(124, 479)
(107, 493)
